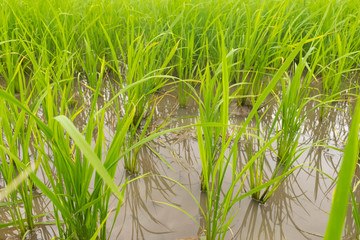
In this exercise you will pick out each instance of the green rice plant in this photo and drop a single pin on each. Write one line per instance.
(213, 98)
(185, 69)
(253, 45)
(260, 47)
(75, 163)
(342, 191)
(290, 116)
(211, 92)
(191, 50)
(11, 63)
(19, 139)
(278, 173)
(134, 134)
(17, 133)
(11, 54)
(257, 170)
(81, 211)
(90, 209)
(218, 215)
(90, 63)
(334, 60)
(141, 62)
(140, 65)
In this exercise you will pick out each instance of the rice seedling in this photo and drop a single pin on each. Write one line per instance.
(295, 92)
(186, 64)
(211, 92)
(75, 168)
(251, 70)
(140, 64)
(135, 133)
(290, 117)
(218, 151)
(17, 134)
(333, 60)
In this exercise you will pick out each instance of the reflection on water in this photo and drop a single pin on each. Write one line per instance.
(298, 209)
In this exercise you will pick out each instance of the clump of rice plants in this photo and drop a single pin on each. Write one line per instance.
(211, 92)
(218, 153)
(134, 135)
(79, 213)
(289, 118)
(260, 41)
(141, 63)
(18, 141)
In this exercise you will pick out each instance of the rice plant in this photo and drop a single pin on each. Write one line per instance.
(290, 117)
(216, 165)
(18, 140)
(295, 96)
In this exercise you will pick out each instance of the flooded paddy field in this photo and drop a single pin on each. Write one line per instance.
(298, 210)
(191, 119)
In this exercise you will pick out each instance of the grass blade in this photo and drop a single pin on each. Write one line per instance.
(341, 196)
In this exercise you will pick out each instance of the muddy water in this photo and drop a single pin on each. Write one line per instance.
(298, 210)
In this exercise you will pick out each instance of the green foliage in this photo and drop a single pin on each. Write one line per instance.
(214, 51)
